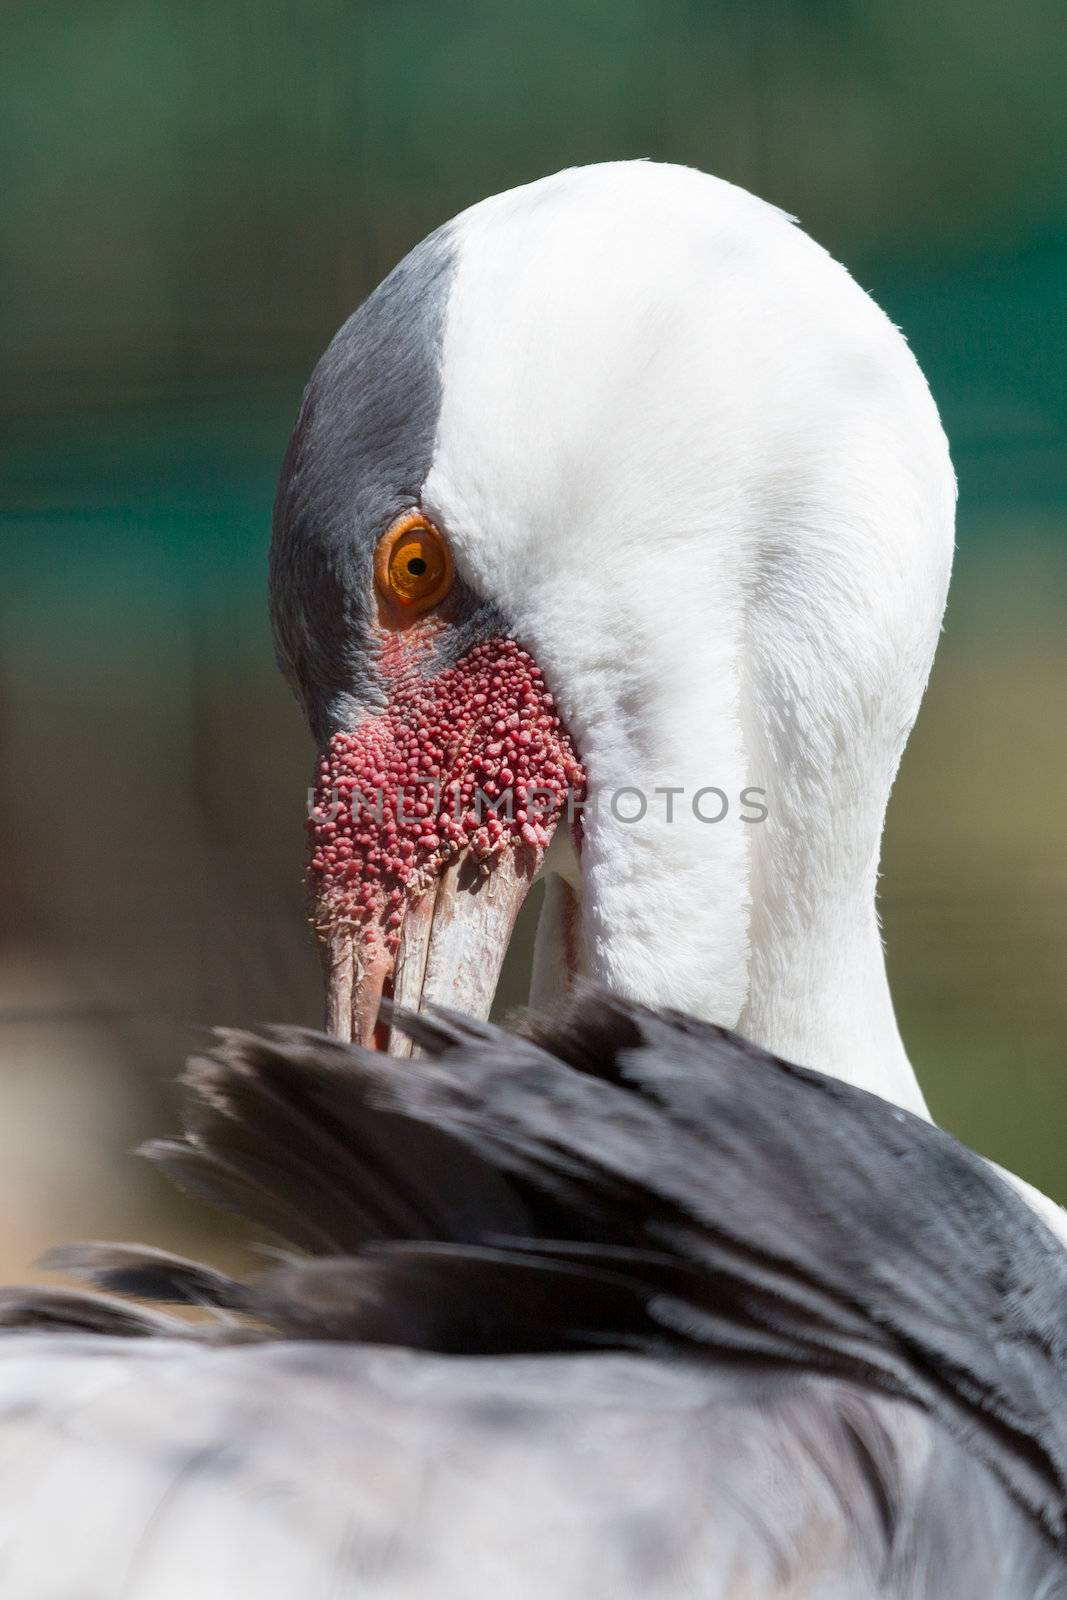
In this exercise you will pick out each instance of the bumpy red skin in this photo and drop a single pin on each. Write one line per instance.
(487, 723)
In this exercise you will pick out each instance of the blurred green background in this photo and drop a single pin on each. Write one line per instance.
(194, 196)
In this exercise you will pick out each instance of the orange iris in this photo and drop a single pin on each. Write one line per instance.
(413, 564)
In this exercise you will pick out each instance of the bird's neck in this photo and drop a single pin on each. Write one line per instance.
(766, 925)
(764, 679)
(818, 994)
(817, 990)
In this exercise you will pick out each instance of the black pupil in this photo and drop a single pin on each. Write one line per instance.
(416, 566)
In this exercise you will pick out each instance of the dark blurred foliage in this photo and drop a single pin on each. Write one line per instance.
(194, 196)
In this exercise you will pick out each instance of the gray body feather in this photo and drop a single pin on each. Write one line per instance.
(679, 1320)
(312, 1472)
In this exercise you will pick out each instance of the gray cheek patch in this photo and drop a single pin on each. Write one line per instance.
(358, 456)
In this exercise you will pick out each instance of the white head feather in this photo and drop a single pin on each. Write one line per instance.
(704, 476)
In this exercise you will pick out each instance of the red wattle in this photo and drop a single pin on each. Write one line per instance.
(486, 724)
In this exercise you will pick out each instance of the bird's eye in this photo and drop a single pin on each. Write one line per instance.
(413, 564)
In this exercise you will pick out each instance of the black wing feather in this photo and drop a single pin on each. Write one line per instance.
(617, 1180)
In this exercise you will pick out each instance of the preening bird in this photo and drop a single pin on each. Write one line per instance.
(611, 545)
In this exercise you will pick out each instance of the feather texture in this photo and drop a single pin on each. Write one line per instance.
(621, 1187)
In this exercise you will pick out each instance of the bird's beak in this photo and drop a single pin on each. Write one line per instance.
(428, 827)
(453, 940)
